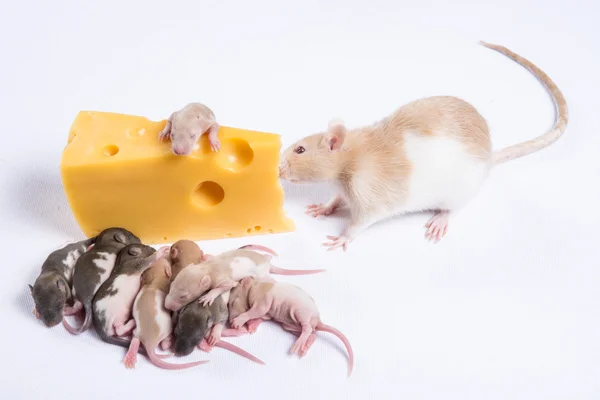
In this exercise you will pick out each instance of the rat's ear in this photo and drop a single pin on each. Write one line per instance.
(120, 237)
(174, 253)
(246, 282)
(61, 285)
(134, 251)
(205, 281)
(336, 133)
(30, 289)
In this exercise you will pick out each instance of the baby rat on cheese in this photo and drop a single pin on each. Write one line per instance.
(153, 324)
(286, 304)
(184, 128)
(219, 274)
(94, 267)
(52, 288)
(430, 154)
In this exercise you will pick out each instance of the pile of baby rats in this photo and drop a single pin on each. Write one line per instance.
(177, 298)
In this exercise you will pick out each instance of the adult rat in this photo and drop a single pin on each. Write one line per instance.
(52, 289)
(94, 267)
(430, 154)
(184, 128)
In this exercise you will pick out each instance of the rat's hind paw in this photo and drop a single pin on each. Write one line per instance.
(337, 242)
(437, 226)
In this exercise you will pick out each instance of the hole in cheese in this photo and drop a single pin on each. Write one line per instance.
(208, 194)
(228, 235)
(249, 230)
(270, 230)
(111, 150)
(235, 154)
(257, 228)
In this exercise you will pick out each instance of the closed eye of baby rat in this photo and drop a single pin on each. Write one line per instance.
(431, 154)
(184, 128)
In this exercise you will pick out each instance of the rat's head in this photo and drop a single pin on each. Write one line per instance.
(50, 293)
(185, 288)
(116, 236)
(133, 254)
(185, 252)
(186, 128)
(193, 322)
(314, 158)
(238, 298)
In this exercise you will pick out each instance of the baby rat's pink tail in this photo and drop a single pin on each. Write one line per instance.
(86, 322)
(233, 348)
(281, 271)
(326, 328)
(258, 248)
(156, 360)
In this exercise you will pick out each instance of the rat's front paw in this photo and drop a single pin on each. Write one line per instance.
(215, 145)
(206, 300)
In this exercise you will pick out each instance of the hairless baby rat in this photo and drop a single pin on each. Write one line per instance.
(94, 267)
(430, 154)
(219, 274)
(52, 288)
(114, 300)
(286, 304)
(153, 324)
(185, 127)
(194, 323)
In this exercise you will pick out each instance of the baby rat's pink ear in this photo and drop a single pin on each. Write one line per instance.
(246, 282)
(205, 282)
(336, 132)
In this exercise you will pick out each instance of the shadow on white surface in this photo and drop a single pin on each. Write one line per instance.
(39, 199)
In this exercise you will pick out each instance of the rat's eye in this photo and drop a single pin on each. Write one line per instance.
(299, 150)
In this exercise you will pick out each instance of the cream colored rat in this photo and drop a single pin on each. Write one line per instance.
(184, 128)
(430, 154)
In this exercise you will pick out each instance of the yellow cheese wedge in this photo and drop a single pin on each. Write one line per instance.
(116, 172)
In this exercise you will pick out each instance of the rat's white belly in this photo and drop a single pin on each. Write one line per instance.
(444, 175)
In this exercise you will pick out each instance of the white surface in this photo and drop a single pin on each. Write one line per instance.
(507, 306)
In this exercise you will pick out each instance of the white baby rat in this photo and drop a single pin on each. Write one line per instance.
(430, 154)
(184, 128)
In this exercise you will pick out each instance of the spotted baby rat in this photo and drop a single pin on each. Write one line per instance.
(94, 267)
(52, 288)
(430, 154)
(195, 323)
(184, 128)
(219, 274)
(114, 300)
(153, 324)
(286, 304)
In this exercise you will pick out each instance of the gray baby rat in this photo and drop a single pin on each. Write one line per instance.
(94, 267)
(52, 288)
(195, 322)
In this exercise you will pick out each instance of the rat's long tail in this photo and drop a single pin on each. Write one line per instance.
(545, 140)
(156, 360)
(281, 271)
(87, 309)
(233, 348)
(258, 248)
(326, 328)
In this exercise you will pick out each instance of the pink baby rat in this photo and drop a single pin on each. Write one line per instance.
(430, 154)
(286, 304)
(184, 128)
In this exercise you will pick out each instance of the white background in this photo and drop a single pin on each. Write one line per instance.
(506, 306)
